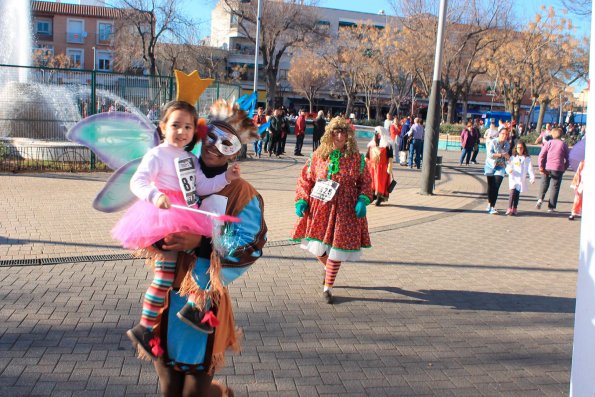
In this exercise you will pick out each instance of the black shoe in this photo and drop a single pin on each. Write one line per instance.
(328, 297)
(194, 317)
(571, 217)
(140, 338)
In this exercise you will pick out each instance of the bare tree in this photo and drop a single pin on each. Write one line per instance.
(578, 7)
(394, 54)
(308, 74)
(284, 24)
(341, 55)
(470, 37)
(144, 24)
(540, 61)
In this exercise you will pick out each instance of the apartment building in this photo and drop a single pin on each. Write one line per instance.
(83, 32)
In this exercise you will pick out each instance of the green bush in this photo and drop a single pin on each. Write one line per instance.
(3, 150)
(571, 140)
(452, 129)
(530, 138)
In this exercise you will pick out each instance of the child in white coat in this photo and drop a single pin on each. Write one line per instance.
(517, 168)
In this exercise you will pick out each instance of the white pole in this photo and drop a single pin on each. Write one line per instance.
(583, 355)
(257, 46)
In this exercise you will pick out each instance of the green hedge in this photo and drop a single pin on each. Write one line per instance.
(452, 129)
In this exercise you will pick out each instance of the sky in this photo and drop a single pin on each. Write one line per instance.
(200, 10)
(525, 10)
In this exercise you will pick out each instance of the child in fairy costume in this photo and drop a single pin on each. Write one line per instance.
(168, 174)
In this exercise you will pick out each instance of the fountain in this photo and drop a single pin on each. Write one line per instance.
(38, 107)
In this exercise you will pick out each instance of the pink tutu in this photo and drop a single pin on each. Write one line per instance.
(144, 224)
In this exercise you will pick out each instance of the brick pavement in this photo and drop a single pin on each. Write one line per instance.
(451, 301)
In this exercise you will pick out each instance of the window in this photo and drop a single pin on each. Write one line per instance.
(233, 20)
(43, 27)
(104, 60)
(75, 31)
(76, 57)
(104, 31)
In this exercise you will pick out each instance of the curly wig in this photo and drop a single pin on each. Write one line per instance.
(326, 142)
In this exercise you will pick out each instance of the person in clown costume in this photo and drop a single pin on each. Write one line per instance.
(332, 193)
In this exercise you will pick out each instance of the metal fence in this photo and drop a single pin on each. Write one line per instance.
(39, 105)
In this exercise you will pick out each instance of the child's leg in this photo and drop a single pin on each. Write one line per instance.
(163, 278)
(511, 198)
(515, 199)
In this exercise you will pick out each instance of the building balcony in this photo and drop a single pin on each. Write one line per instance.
(41, 36)
(242, 51)
(76, 37)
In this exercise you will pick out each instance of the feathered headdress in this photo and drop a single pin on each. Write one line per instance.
(230, 113)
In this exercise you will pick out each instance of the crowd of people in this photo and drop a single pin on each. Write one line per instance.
(187, 321)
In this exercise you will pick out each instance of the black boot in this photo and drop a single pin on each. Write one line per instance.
(194, 318)
(140, 338)
(328, 297)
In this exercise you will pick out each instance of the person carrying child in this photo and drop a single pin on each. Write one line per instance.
(518, 167)
(169, 175)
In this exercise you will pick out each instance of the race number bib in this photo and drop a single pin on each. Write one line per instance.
(186, 170)
(324, 190)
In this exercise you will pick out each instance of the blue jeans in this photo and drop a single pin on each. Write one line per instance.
(465, 154)
(258, 147)
(417, 147)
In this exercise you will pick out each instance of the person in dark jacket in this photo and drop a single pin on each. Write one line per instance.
(319, 126)
(284, 129)
(467, 143)
(275, 130)
(477, 137)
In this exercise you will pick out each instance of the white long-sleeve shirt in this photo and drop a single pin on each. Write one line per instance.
(157, 172)
(517, 168)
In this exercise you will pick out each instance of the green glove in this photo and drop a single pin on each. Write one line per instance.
(360, 208)
(300, 208)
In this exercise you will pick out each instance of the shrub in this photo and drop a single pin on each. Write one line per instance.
(452, 129)
(530, 138)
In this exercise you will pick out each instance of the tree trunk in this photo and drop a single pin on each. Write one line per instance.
(310, 102)
(516, 109)
(271, 83)
(348, 106)
(465, 108)
(542, 108)
(452, 109)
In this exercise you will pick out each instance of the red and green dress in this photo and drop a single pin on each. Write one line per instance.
(332, 228)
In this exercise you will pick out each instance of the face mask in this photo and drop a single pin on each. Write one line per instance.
(227, 143)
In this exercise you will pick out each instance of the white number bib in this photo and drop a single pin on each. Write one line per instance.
(186, 171)
(324, 190)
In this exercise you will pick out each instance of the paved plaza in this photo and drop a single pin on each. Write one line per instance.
(450, 301)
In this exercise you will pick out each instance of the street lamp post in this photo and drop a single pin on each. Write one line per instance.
(256, 50)
(432, 133)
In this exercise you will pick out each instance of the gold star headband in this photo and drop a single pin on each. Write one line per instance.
(189, 87)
